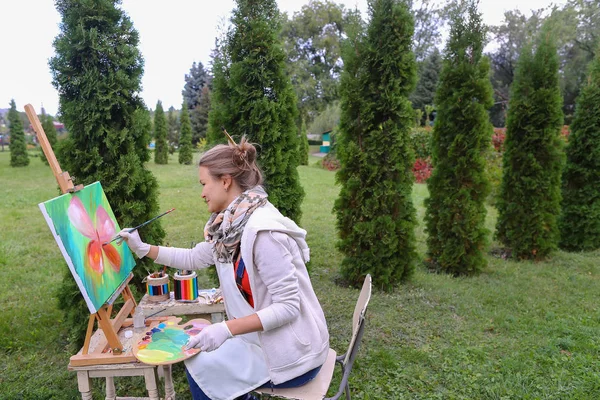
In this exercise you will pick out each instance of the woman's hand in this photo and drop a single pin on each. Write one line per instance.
(135, 242)
(210, 338)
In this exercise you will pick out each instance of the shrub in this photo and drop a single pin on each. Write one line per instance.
(458, 187)
(330, 162)
(498, 139)
(529, 200)
(580, 219)
(422, 169)
(253, 96)
(18, 146)
(421, 141)
(109, 126)
(375, 214)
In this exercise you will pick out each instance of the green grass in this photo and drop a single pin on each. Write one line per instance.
(517, 331)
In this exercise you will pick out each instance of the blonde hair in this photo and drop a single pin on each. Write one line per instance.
(236, 160)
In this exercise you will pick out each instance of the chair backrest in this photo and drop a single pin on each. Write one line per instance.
(359, 316)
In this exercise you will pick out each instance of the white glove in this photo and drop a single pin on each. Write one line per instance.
(135, 243)
(210, 338)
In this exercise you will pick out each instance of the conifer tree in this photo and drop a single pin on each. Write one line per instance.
(375, 214)
(253, 96)
(200, 116)
(579, 222)
(185, 140)
(172, 129)
(161, 151)
(18, 146)
(428, 80)
(303, 145)
(458, 186)
(529, 200)
(50, 131)
(196, 85)
(97, 70)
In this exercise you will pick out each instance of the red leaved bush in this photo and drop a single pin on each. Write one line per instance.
(498, 138)
(422, 169)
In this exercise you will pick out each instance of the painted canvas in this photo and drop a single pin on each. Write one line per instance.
(81, 223)
(165, 343)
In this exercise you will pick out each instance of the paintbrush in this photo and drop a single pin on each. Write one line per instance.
(140, 226)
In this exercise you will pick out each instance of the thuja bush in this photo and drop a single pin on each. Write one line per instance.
(185, 140)
(253, 96)
(579, 222)
(458, 187)
(18, 146)
(529, 200)
(161, 150)
(97, 70)
(375, 214)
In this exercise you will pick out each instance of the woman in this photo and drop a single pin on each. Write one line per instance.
(276, 334)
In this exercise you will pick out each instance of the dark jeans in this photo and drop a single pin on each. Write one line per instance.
(198, 394)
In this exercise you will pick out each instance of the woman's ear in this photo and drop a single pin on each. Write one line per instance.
(226, 181)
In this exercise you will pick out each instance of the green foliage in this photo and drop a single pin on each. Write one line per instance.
(199, 116)
(172, 129)
(579, 223)
(375, 214)
(303, 146)
(97, 70)
(312, 42)
(161, 152)
(421, 142)
(253, 96)
(185, 141)
(327, 120)
(512, 35)
(458, 186)
(529, 201)
(428, 80)
(50, 131)
(18, 147)
(196, 86)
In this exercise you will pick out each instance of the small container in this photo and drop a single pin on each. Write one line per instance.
(158, 288)
(185, 287)
(139, 321)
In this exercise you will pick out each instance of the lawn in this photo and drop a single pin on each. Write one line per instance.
(517, 331)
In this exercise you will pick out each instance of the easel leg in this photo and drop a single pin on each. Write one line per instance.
(84, 383)
(151, 379)
(169, 389)
(110, 388)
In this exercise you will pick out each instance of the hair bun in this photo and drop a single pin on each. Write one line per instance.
(244, 154)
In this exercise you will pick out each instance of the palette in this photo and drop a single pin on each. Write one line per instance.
(165, 343)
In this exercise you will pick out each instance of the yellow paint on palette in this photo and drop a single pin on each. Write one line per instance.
(152, 356)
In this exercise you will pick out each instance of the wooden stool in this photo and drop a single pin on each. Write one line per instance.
(108, 369)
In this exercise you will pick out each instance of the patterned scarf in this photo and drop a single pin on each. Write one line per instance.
(225, 228)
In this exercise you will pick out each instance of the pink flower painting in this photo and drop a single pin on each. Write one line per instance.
(97, 253)
(82, 222)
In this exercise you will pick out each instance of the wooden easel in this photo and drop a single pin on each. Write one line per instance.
(110, 350)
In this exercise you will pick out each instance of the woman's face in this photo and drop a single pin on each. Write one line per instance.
(213, 190)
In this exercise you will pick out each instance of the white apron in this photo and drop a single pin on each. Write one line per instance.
(239, 365)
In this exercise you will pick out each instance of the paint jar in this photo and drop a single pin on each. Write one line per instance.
(139, 321)
(157, 287)
(185, 286)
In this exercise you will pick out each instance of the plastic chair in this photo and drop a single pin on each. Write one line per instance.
(317, 388)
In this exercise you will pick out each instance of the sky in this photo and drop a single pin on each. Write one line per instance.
(172, 37)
